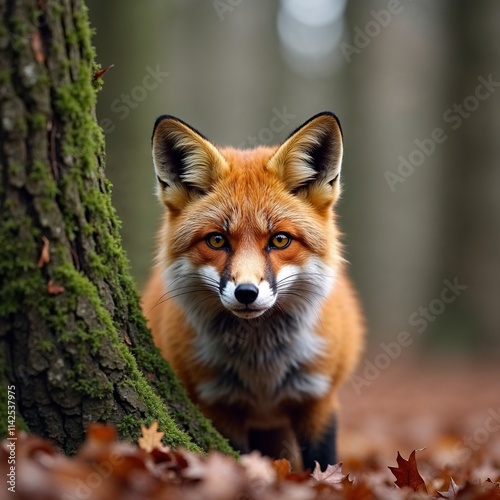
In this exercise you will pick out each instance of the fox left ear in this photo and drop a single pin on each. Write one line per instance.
(186, 163)
(309, 161)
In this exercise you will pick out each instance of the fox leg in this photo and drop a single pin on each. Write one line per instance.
(276, 443)
(240, 445)
(322, 448)
(315, 427)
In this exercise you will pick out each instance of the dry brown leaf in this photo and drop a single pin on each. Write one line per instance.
(151, 437)
(101, 72)
(195, 466)
(299, 477)
(332, 475)
(101, 433)
(37, 47)
(478, 491)
(53, 288)
(282, 468)
(452, 492)
(44, 254)
(224, 479)
(104, 468)
(258, 468)
(34, 445)
(407, 474)
(358, 490)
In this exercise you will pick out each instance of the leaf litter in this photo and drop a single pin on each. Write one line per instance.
(452, 466)
(105, 468)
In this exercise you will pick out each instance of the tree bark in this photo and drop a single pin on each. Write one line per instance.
(73, 340)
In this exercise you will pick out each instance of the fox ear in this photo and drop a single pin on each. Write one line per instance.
(186, 163)
(309, 161)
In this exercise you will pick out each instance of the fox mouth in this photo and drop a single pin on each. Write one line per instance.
(249, 312)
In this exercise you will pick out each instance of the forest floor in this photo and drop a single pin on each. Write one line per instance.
(450, 408)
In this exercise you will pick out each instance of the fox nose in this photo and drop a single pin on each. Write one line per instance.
(246, 293)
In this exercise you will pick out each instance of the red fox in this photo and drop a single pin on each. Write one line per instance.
(249, 299)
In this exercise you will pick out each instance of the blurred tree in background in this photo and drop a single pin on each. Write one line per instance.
(420, 209)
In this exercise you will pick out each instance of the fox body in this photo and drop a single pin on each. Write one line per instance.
(249, 299)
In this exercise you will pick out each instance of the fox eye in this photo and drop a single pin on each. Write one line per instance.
(280, 241)
(216, 241)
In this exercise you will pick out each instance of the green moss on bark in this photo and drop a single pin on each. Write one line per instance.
(76, 339)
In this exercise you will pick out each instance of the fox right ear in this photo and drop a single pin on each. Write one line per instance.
(186, 163)
(309, 161)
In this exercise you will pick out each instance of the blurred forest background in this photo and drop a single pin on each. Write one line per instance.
(417, 88)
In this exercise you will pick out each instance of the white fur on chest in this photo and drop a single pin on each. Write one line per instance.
(261, 363)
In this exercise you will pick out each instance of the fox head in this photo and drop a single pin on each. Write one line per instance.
(249, 231)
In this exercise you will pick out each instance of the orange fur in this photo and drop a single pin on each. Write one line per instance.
(247, 196)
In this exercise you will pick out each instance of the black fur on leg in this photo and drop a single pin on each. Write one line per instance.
(323, 450)
(240, 446)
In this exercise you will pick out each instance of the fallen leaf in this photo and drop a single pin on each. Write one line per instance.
(332, 475)
(53, 288)
(37, 47)
(478, 491)
(195, 467)
(44, 254)
(101, 72)
(407, 474)
(452, 490)
(224, 479)
(101, 433)
(282, 468)
(259, 469)
(151, 437)
(299, 477)
(347, 481)
(356, 491)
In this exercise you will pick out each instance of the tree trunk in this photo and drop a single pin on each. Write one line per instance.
(470, 201)
(73, 340)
